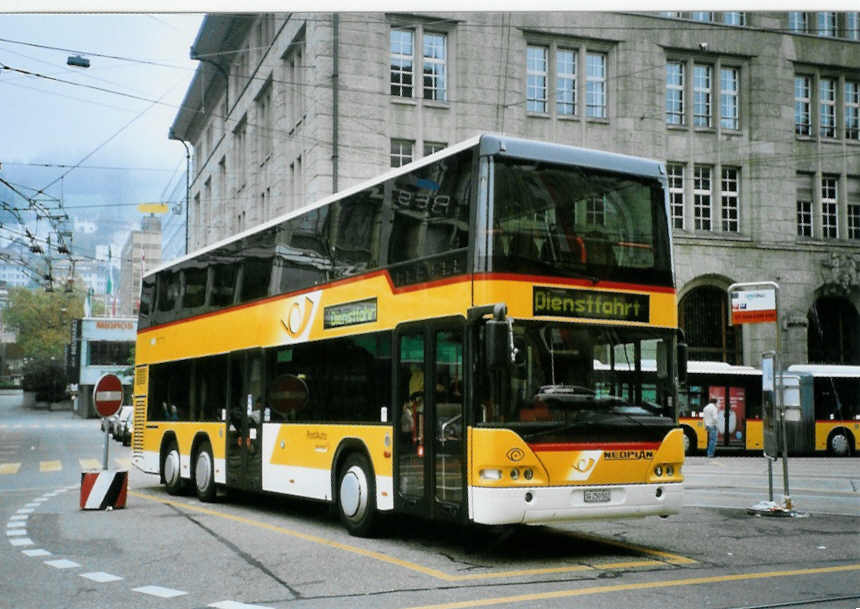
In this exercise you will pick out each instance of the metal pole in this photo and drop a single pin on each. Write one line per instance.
(107, 444)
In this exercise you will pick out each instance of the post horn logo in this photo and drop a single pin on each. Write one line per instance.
(300, 313)
(515, 455)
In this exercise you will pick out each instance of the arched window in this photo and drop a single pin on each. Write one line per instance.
(833, 335)
(703, 315)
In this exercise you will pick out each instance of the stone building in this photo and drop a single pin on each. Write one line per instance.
(756, 115)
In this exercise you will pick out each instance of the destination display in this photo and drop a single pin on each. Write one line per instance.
(349, 314)
(591, 304)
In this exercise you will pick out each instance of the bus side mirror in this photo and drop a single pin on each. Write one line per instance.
(497, 352)
(682, 362)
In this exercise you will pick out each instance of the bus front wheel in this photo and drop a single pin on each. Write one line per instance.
(204, 473)
(839, 444)
(356, 495)
(170, 470)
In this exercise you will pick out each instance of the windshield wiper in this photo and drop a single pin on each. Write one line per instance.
(575, 395)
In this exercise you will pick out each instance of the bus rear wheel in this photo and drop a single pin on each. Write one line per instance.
(356, 495)
(839, 444)
(204, 473)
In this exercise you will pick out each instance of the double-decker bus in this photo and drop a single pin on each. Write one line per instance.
(441, 341)
(823, 407)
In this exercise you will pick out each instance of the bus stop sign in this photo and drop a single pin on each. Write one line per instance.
(107, 394)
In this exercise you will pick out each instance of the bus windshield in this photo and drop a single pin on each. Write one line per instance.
(570, 378)
(578, 222)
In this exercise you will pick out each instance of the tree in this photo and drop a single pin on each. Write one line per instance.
(41, 320)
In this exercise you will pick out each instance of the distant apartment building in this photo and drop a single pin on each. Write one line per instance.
(755, 114)
(141, 252)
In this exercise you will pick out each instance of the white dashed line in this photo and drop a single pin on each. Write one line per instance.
(18, 517)
(159, 591)
(101, 577)
(15, 532)
(21, 541)
(34, 553)
(235, 605)
(62, 563)
(15, 524)
(25, 511)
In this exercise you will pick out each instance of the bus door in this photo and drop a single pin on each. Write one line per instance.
(245, 421)
(430, 466)
(731, 402)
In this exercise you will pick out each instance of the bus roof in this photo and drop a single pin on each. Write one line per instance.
(704, 367)
(827, 370)
(489, 144)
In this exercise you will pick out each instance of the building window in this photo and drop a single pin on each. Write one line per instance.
(433, 147)
(595, 90)
(854, 221)
(804, 218)
(852, 110)
(827, 107)
(402, 71)
(702, 197)
(706, 16)
(826, 23)
(734, 18)
(435, 66)
(802, 101)
(565, 81)
(675, 93)
(595, 212)
(852, 25)
(675, 175)
(239, 145)
(536, 79)
(401, 152)
(265, 139)
(798, 22)
(730, 198)
(703, 315)
(829, 213)
(702, 96)
(729, 115)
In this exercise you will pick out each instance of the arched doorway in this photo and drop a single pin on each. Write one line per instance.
(703, 315)
(833, 334)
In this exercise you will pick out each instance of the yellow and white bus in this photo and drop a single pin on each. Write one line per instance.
(440, 341)
(825, 418)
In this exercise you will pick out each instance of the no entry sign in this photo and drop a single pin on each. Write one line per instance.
(107, 394)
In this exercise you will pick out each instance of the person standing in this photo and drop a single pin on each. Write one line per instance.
(710, 416)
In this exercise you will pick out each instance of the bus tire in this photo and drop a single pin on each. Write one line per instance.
(204, 473)
(170, 470)
(690, 442)
(839, 443)
(356, 495)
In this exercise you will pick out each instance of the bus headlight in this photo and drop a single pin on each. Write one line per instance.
(670, 471)
(528, 474)
(515, 474)
(491, 474)
(658, 471)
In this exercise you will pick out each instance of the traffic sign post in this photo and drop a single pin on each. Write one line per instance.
(752, 303)
(107, 398)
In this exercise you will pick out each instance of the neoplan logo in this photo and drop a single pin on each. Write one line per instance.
(628, 455)
(591, 304)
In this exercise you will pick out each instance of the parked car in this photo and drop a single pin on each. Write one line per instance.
(127, 431)
(119, 425)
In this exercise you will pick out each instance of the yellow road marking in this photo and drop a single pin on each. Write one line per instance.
(675, 559)
(9, 468)
(414, 566)
(87, 464)
(672, 583)
(50, 466)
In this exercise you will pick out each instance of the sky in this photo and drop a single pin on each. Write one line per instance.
(111, 118)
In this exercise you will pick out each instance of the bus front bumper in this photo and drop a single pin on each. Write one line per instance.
(538, 505)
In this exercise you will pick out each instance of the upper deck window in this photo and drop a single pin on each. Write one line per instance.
(569, 221)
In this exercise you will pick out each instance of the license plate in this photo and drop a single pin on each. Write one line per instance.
(601, 495)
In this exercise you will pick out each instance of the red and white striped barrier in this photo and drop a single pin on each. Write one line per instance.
(104, 489)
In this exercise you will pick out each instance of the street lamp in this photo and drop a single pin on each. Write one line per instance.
(78, 61)
(171, 135)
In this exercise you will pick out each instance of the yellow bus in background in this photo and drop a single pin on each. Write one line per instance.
(824, 409)
(447, 340)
